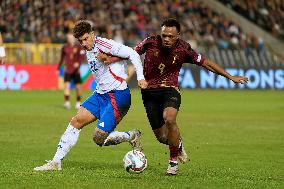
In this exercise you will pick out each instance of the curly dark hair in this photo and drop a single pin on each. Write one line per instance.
(82, 27)
(171, 22)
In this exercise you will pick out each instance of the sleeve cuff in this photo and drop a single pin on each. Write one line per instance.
(140, 77)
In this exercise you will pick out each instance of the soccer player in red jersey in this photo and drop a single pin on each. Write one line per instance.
(164, 56)
(71, 55)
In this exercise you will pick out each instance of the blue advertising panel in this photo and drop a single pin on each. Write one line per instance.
(195, 77)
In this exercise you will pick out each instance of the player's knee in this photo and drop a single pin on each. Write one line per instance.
(98, 139)
(170, 120)
(77, 122)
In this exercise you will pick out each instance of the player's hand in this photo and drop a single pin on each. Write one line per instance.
(102, 57)
(76, 65)
(239, 79)
(107, 59)
(142, 84)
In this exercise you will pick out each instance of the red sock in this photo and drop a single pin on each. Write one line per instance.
(66, 97)
(78, 98)
(174, 150)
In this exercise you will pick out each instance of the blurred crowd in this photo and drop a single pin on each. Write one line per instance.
(126, 21)
(269, 14)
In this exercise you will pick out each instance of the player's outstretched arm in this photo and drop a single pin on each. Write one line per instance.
(212, 66)
(134, 57)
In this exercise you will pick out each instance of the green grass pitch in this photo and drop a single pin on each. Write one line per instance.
(235, 140)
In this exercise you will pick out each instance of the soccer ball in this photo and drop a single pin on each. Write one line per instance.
(135, 161)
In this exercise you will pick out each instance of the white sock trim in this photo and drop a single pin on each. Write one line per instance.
(72, 128)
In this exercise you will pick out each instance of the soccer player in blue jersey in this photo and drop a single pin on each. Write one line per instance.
(110, 101)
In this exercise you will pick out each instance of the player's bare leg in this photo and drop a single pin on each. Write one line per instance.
(162, 134)
(169, 134)
(68, 139)
(82, 118)
(99, 136)
(174, 138)
(78, 88)
(66, 93)
(169, 116)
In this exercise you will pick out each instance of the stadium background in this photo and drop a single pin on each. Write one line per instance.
(34, 32)
(246, 127)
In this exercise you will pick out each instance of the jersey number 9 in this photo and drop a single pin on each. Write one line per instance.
(161, 67)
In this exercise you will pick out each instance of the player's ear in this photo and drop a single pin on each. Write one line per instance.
(178, 35)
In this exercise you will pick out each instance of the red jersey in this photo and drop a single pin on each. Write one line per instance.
(162, 65)
(71, 55)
